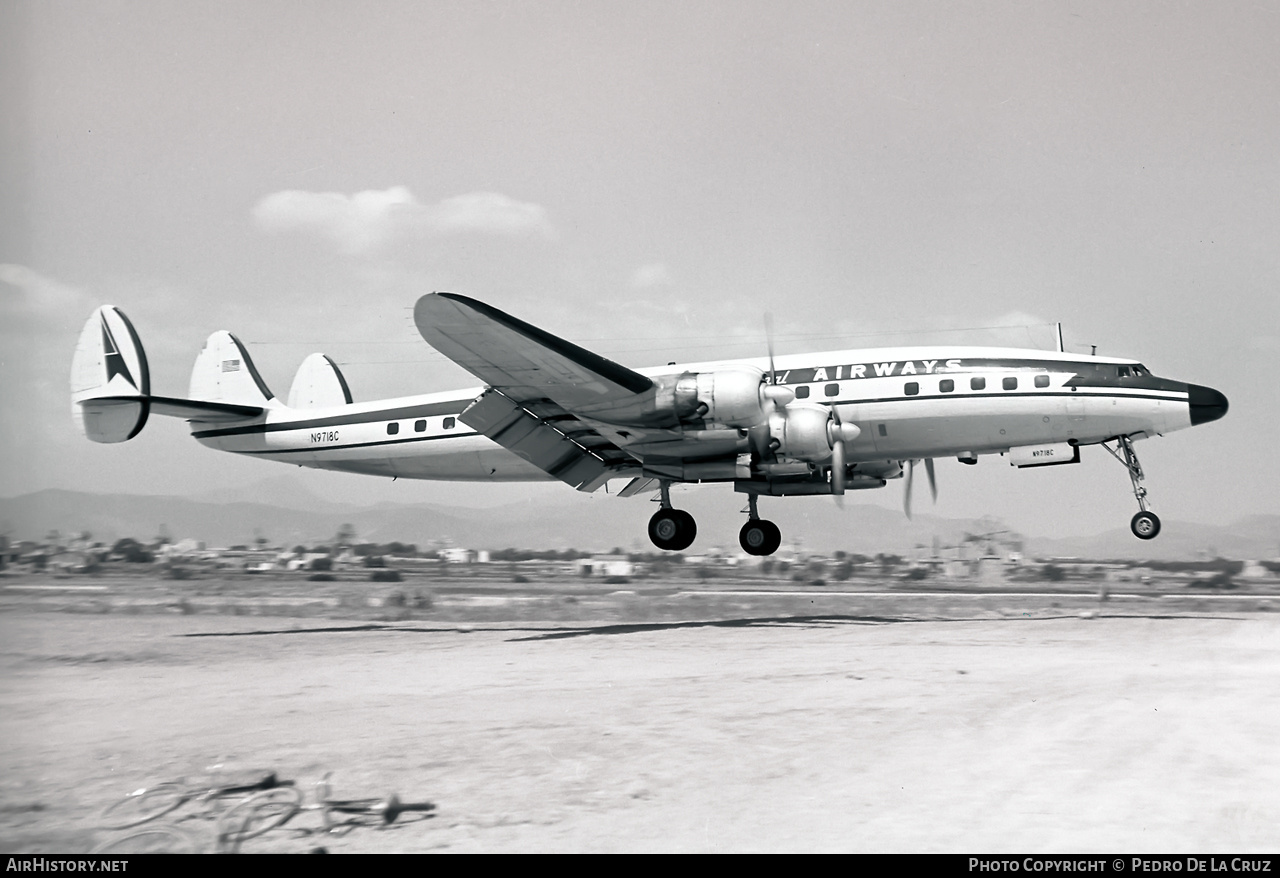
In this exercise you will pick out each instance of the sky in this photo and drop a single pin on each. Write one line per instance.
(647, 180)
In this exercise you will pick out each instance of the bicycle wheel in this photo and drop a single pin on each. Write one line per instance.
(144, 805)
(157, 840)
(257, 814)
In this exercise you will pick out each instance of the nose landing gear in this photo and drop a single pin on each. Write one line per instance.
(1146, 524)
(758, 536)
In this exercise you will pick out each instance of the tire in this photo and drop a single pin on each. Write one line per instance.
(1145, 526)
(144, 806)
(157, 840)
(760, 537)
(672, 529)
(257, 814)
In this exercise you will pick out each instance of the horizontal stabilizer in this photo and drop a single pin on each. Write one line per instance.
(111, 385)
(202, 410)
(319, 384)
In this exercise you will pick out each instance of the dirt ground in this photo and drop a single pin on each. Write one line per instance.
(1009, 732)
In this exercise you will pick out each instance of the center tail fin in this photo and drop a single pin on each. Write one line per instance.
(111, 384)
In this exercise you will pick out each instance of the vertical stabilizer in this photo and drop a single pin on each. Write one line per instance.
(224, 373)
(319, 384)
(110, 382)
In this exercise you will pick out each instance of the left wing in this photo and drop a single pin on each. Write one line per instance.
(549, 401)
(522, 361)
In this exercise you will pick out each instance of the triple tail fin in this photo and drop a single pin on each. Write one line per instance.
(225, 373)
(319, 384)
(111, 395)
(110, 381)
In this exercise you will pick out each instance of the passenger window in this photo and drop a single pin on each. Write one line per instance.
(832, 390)
(1042, 381)
(393, 428)
(977, 384)
(946, 385)
(449, 423)
(419, 426)
(802, 392)
(1010, 384)
(1124, 371)
(912, 388)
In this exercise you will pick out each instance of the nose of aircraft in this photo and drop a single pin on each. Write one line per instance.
(1206, 404)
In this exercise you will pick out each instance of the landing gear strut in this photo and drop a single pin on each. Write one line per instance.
(759, 537)
(671, 529)
(1146, 524)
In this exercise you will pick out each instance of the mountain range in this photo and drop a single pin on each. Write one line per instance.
(293, 515)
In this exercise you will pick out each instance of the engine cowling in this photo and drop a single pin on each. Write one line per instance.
(802, 432)
(733, 396)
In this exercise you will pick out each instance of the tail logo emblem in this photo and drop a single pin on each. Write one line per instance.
(114, 359)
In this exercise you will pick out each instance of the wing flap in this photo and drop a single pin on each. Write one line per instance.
(543, 440)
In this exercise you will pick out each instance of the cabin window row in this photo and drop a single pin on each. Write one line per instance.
(946, 385)
(420, 426)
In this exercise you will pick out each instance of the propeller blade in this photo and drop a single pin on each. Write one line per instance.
(768, 340)
(933, 484)
(906, 493)
(837, 468)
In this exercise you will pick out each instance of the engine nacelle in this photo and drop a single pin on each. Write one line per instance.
(733, 396)
(802, 432)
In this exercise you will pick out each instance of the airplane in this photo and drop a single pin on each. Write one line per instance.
(802, 424)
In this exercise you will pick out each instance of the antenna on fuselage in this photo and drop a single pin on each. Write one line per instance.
(1062, 349)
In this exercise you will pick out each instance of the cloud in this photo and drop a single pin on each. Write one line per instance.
(362, 223)
(654, 274)
(39, 295)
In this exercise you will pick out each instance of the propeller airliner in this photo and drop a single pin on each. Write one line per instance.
(801, 424)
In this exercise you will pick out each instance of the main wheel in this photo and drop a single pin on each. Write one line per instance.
(672, 529)
(760, 537)
(1145, 525)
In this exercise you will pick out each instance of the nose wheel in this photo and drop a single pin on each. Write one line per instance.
(1146, 524)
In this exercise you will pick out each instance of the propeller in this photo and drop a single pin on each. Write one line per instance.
(838, 434)
(933, 483)
(781, 397)
(758, 437)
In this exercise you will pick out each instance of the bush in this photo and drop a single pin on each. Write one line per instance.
(385, 575)
(322, 564)
(321, 577)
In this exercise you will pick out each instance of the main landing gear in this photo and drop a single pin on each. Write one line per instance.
(671, 529)
(758, 536)
(1146, 524)
(674, 529)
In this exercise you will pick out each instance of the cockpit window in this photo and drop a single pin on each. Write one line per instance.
(1140, 370)
(1124, 371)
